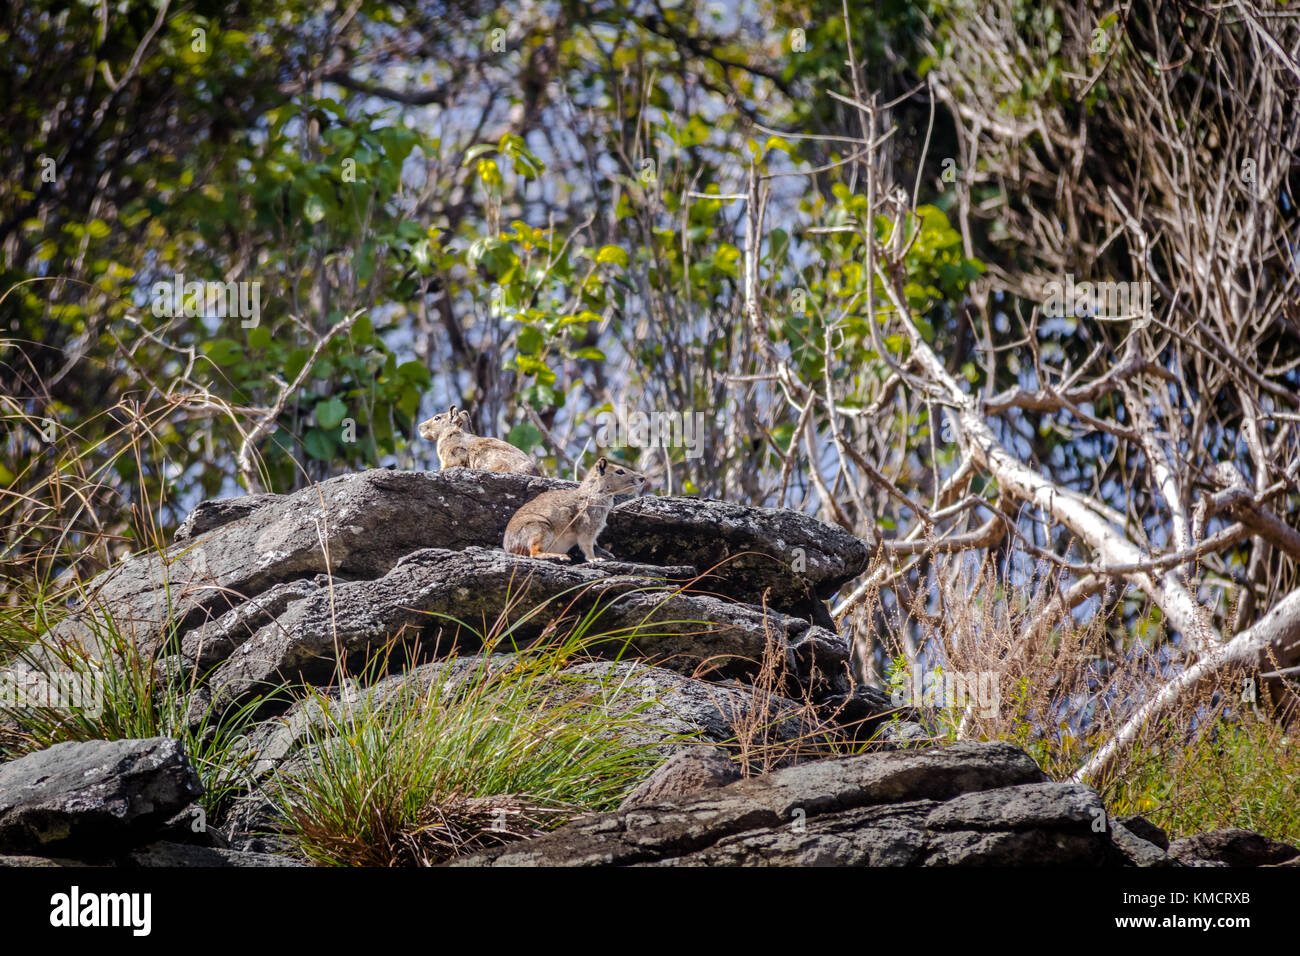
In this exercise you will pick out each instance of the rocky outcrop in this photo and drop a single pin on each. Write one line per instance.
(967, 804)
(700, 600)
(422, 599)
(275, 588)
(98, 796)
(183, 854)
(1233, 847)
(127, 804)
(682, 774)
(696, 599)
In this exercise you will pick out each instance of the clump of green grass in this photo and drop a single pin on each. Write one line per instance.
(496, 750)
(1213, 762)
(137, 696)
(1238, 771)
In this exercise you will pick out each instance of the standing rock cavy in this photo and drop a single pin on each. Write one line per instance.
(554, 521)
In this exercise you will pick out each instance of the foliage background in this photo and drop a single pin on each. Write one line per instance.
(539, 210)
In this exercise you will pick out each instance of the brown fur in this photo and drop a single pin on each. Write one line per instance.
(458, 447)
(554, 521)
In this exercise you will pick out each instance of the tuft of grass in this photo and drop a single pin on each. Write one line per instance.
(489, 754)
(1064, 689)
(780, 725)
(136, 695)
(1239, 771)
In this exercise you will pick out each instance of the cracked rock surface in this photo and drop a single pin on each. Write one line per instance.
(965, 804)
(272, 588)
(97, 795)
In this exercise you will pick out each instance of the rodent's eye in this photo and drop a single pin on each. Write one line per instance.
(621, 472)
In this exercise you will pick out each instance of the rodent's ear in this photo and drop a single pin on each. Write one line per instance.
(451, 412)
(462, 418)
(601, 465)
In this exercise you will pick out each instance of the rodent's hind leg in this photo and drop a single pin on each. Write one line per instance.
(535, 550)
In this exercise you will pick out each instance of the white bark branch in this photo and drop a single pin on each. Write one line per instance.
(1277, 631)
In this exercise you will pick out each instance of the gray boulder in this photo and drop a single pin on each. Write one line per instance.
(423, 596)
(11, 860)
(94, 796)
(1028, 825)
(1232, 847)
(1143, 828)
(1025, 807)
(188, 855)
(865, 810)
(684, 773)
(229, 552)
(1137, 850)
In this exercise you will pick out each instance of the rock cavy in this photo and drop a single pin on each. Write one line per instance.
(554, 521)
(459, 447)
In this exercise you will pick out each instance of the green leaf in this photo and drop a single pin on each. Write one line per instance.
(319, 445)
(363, 331)
(777, 142)
(415, 372)
(612, 254)
(474, 152)
(330, 413)
(525, 435)
(365, 261)
(530, 340)
(581, 318)
(225, 352)
(420, 252)
(294, 363)
(409, 402)
(543, 396)
(530, 365)
(782, 435)
(340, 138)
(314, 210)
